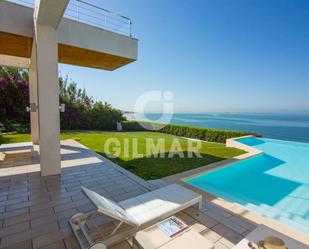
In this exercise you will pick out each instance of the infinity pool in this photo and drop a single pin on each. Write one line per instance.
(274, 184)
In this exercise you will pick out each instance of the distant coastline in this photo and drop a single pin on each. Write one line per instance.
(294, 127)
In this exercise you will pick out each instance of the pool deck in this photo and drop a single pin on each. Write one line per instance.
(34, 210)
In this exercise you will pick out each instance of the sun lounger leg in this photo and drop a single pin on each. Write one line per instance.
(200, 203)
(32, 152)
(77, 223)
(75, 231)
(89, 240)
(117, 227)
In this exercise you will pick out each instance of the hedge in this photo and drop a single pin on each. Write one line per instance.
(210, 135)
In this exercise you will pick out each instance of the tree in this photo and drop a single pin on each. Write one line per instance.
(71, 94)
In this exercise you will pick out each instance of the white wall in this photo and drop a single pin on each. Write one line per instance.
(70, 32)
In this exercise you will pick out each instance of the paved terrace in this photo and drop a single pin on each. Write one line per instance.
(34, 210)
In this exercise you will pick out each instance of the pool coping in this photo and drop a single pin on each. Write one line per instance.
(234, 208)
(232, 143)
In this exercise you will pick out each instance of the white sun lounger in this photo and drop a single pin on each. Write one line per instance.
(16, 146)
(139, 212)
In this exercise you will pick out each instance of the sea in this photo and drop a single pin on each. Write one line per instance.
(293, 127)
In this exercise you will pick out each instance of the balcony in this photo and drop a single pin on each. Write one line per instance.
(81, 11)
(88, 35)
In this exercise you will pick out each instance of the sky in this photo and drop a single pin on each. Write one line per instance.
(213, 55)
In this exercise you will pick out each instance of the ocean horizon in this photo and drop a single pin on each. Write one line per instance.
(293, 127)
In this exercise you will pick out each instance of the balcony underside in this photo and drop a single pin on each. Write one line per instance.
(88, 58)
(20, 46)
(15, 45)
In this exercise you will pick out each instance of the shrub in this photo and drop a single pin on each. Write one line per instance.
(131, 126)
(104, 116)
(210, 135)
(138, 126)
(81, 111)
(14, 92)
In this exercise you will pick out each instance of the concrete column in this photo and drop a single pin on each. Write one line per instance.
(48, 96)
(33, 82)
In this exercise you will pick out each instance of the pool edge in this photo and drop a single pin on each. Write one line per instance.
(232, 143)
(234, 208)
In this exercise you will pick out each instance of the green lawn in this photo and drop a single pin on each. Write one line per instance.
(148, 166)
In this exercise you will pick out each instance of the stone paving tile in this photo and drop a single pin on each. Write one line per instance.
(226, 242)
(69, 205)
(27, 216)
(29, 234)
(226, 221)
(14, 213)
(227, 233)
(13, 202)
(34, 210)
(244, 223)
(70, 242)
(219, 245)
(2, 211)
(186, 218)
(46, 239)
(17, 206)
(20, 245)
(56, 245)
(9, 230)
(201, 217)
(43, 220)
(211, 235)
(209, 206)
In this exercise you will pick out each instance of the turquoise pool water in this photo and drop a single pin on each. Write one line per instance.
(274, 184)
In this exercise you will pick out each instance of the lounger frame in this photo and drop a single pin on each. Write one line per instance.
(80, 230)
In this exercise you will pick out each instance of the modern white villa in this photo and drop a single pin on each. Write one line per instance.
(38, 39)
(64, 195)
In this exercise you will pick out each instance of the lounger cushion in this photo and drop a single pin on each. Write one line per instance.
(16, 146)
(152, 205)
(146, 207)
(108, 207)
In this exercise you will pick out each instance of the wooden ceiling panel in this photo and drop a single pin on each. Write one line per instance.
(89, 58)
(17, 45)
